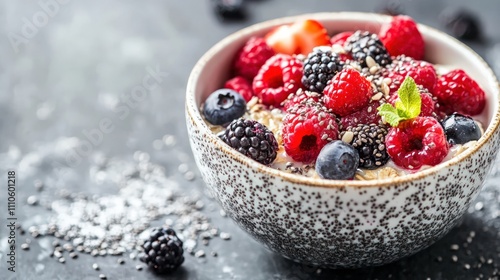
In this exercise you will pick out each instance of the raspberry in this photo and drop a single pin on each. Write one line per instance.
(401, 36)
(429, 107)
(319, 68)
(417, 142)
(458, 92)
(340, 38)
(307, 128)
(367, 115)
(251, 57)
(278, 78)
(362, 44)
(299, 97)
(347, 93)
(422, 72)
(241, 86)
(252, 139)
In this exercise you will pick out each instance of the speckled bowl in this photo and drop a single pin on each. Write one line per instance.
(341, 223)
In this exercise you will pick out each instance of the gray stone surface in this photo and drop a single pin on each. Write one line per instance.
(66, 67)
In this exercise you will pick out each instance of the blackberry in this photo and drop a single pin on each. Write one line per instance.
(163, 251)
(362, 44)
(369, 141)
(252, 139)
(319, 68)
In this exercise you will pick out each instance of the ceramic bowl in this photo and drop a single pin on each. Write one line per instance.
(332, 223)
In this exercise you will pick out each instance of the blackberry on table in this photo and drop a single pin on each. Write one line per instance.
(319, 68)
(362, 44)
(163, 251)
(252, 139)
(369, 141)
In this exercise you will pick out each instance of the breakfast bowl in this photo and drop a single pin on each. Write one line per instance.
(341, 223)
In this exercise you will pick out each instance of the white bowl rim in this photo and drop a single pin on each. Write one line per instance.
(193, 112)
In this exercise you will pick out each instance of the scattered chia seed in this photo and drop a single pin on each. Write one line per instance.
(102, 276)
(138, 267)
(454, 247)
(225, 236)
(214, 254)
(116, 223)
(57, 254)
(200, 254)
(222, 213)
(25, 246)
(467, 266)
(454, 258)
(479, 206)
(32, 200)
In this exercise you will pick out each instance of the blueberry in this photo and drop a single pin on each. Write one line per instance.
(462, 24)
(223, 106)
(460, 129)
(337, 160)
(229, 9)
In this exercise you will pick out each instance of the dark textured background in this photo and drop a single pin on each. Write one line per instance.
(70, 73)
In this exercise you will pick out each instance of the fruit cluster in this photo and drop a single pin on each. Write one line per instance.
(354, 100)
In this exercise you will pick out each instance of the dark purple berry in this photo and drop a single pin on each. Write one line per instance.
(223, 106)
(338, 161)
(163, 251)
(460, 129)
(252, 139)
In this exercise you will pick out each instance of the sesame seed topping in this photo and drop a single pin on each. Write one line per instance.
(377, 96)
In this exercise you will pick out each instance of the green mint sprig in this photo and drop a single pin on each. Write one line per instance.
(407, 105)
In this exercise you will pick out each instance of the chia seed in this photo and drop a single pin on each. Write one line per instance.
(115, 223)
(32, 200)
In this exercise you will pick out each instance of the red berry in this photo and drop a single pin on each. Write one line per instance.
(401, 36)
(298, 38)
(299, 97)
(417, 142)
(241, 86)
(251, 57)
(428, 106)
(367, 115)
(279, 77)
(422, 72)
(340, 38)
(347, 93)
(458, 92)
(307, 128)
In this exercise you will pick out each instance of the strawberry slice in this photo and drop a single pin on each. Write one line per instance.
(298, 38)
(309, 34)
(282, 40)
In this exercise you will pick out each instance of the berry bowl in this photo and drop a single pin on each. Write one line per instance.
(341, 223)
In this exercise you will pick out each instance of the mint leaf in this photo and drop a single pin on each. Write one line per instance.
(409, 101)
(407, 105)
(390, 114)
